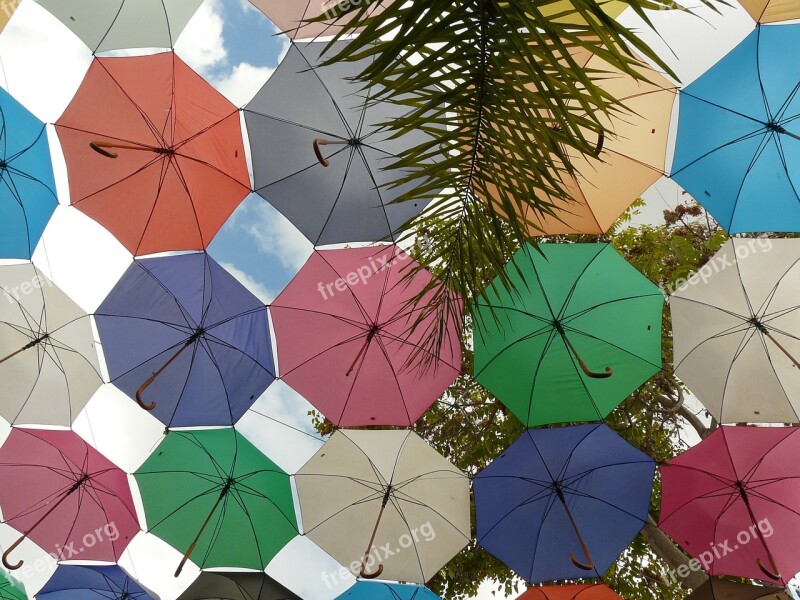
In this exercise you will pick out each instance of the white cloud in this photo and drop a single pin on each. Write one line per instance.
(275, 236)
(201, 44)
(259, 291)
(241, 84)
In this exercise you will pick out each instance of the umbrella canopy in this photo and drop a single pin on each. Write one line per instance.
(119, 24)
(216, 497)
(11, 589)
(153, 152)
(66, 497)
(48, 360)
(377, 590)
(732, 502)
(291, 16)
(6, 12)
(563, 503)
(320, 155)
(186, 340)
(737, 130)
(721, 589)
(92, 582)
(580, 331)
(27, 187)
(344, 337)
(736, 331)
(589, 591)
(772, 11)
(630, 155)
(392, 506)
(236, 585)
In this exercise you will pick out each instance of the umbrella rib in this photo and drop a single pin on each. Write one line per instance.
(368, 319)
(110, 27)
(336, 200)
(164, 167)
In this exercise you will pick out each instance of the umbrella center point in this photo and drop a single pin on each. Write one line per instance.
(3, 164)
(558, 326)
(775, 127)
(166, 151)
(755, 322)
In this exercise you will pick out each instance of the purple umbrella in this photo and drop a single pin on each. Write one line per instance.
(186, 340)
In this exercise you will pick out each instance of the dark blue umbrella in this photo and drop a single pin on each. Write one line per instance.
(738, 145)
(563, 503)
(186, 340)
(84, 582)
(377, 590)
(27, 196)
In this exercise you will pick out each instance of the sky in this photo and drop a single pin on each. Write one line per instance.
(236, 49)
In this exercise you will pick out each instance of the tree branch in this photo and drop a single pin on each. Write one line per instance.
(678, 407)
(673, 556)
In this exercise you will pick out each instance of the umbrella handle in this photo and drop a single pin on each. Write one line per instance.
(320, 142)
(366, 575)
(155, 375)
(100, 148)
(589, 564)
(11, 548)
(766, 332)
(584, 367)
(601, 140)
(774, 572)
(186, 556)
(379, 570)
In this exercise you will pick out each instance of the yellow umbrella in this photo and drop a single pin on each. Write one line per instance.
(7, 9)
(630, 155)
(772, 11)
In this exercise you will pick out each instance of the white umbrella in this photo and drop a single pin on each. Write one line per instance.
(49, 368)
(385, 504)
(118, 24)
(736, 329)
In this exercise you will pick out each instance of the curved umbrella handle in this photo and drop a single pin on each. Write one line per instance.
(589, 565)
(100, 148)
(317, 143)
(366, 575)
(141, 390)
(11, 548)
(601, 140)
(773, 572)
(584, 367)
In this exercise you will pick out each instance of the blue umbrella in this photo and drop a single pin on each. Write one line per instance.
(79, 582)
(186, 340)
(376, 590)
(563, 503)
(27, 196)
(738, 146)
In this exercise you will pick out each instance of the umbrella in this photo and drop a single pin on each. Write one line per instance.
(212, 494)
(736, 331)
(120, 24)
(580, 331)
(630, 154)
(27, 187)
(344, 337)
(772, 11)
(320, 155)
(377, 590)
(392, 506)
(6, 12)
(589, 591)
(720, 589)
(291, 16)
(92, 582)
(153, 153)
(732, 502)
(563, 503)
(236, 585)
(49, 365)
(186, 340)
(737, 131)
(11, 589)
(66, 497)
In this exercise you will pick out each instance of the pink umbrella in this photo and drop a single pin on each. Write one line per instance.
(733, 502)
(343, 330)
(65, 496)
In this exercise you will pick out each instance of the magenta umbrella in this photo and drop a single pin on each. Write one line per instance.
(345, 341)
(733, 502)
(65, 496)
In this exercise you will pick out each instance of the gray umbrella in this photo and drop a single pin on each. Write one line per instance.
(319, 154)
(220, 585)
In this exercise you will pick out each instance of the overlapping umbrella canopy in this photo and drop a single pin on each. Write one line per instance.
(121, 24)
(11, 589)
(49, 365)
(66, 497)
(736, 330)
(348, 333)
(579, 331)
(375, 590)
(563, 503)
(771, 11)
(92, 582)
(738, 133)
(236, 585)
(329, 174)
(153, 153)
(292, 16)
(589, 591)
(722, 589)
(27, 185)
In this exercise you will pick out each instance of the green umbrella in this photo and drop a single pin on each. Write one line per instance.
(10, 588)
(579, 330)
(212, 494)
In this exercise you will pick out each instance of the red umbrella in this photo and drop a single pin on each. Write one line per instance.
(153, 153)
(589, 591)
(65, 496)
(733, 502)
(344, 340)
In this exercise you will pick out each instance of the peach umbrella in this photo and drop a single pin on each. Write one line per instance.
(589, 591)
(772, 11)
